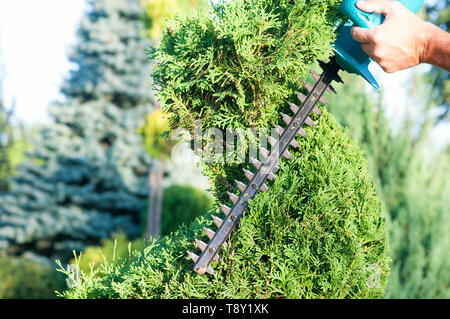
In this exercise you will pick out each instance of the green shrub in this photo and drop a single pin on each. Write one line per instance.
(115, 250)
(181, 205)
(21, 278)
(318, 233)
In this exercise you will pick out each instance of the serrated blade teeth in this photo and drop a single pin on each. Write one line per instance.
(302, 133)
(324, 100)
(286, 118)
(217, 221)
(338, 79)
(316, 110)
(271, 177)
(248, 174)
(234, 198)
(241, 185)
(287, 155)
(210, 271)
(273, 141)
(308, 86)
(264, 152)
(295, 144)
(264, 188)
(209, 233)
(200, 244)
(315, 75)
(193, 256)
(255, 162)
(330, 89)
(323, 65)
(301, 97)
(279, 130)
(310, 122)
(294, 108)
(225, 209)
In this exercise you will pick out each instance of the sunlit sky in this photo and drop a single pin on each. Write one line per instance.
(36, 37)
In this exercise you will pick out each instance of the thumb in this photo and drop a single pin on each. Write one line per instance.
(378, 6)
(360, 34)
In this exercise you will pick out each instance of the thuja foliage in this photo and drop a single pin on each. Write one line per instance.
(237, 69)
(114, 250)
(318, 232)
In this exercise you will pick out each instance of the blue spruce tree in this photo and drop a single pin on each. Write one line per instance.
(87, 175)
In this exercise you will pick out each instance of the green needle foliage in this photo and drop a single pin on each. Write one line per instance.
(237, 69)
(319, 231)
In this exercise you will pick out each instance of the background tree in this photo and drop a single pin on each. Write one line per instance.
(158, 11)
(87, 175)
(23, 278)
(413, 181)
(438, 12)
(159, 147)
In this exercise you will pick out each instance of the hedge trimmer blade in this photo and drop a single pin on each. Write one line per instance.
(266, 168)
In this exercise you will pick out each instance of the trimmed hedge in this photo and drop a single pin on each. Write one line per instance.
(318, 233)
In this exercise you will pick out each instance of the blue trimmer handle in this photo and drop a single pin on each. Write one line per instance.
(369, 20)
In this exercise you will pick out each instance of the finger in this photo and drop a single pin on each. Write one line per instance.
(360, 34)
(369, 49)
(378, 6)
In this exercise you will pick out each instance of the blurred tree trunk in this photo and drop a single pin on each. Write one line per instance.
(156, 192)
(159, 198)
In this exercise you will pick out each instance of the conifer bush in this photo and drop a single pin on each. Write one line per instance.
(319, 231)
(182, 204)
(23, 278)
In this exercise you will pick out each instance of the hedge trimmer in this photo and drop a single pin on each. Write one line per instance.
(349, 57)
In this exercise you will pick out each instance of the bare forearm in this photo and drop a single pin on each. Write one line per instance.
(437, 50)
(403, 40)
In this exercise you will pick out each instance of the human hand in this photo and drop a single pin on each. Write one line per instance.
(400, 42)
